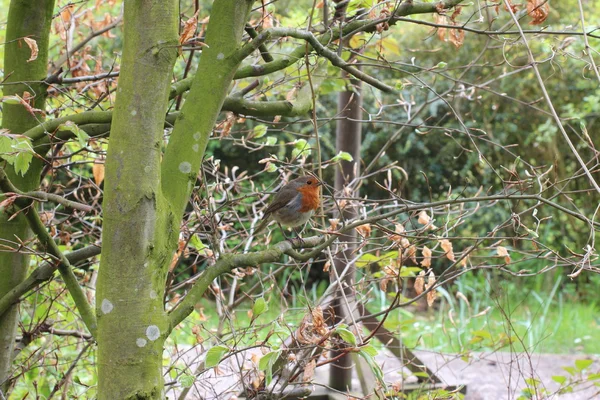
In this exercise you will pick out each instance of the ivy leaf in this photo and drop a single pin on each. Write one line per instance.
(214, 355)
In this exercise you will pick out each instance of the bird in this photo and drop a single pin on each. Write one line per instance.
(294, 203)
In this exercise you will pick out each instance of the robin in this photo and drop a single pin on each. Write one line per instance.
(294, 203)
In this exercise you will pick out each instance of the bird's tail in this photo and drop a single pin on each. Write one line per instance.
(262, 225)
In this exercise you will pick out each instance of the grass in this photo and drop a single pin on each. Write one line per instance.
(505, 318)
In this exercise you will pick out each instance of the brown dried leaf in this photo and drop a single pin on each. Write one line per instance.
(333, 224)
(420, 282)
(538, 10)
(441, 31)
(319, 321)
(432, 293)
(33, 47)
(227, 125)
(309, 371)
(327, 266)
(189, 29)
(426, 257)
(457, 37)
(424, 219)
(503, 252)
(447, 247)
(98, 171)
(364, 230)
(411, 252)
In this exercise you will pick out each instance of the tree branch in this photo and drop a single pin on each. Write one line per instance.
(226, 263)
(43, 196)
(64, 266)
(44, 273)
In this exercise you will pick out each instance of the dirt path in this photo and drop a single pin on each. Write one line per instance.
(488, 376)
(495, 376)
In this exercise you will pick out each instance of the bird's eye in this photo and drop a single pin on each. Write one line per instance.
(309, 182)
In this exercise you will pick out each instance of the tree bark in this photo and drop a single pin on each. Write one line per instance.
(31, 18)
(137, 236)
(348, 139)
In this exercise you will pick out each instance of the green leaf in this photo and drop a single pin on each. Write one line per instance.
(260, 306)
(409, 271)
(11, 100)
(570, 370)
(593, 377)
(482, 334)
(80, 134)
(369, 349)
(583, 364)
(259, 131)
(532, 382)
(301, 148)
(271, 141)
(271, 167)
(375, 368)
(24, 155)
(266, 363)
(346, 335)
(399, 85)
(441, 64)
(186, 380)
(343, 156)
(560, 379)
(214, 355)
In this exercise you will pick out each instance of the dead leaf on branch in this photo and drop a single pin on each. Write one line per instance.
(424, 219)
(426, 257)
(189, 29)
(420, 282)
(33, 47)
(309, 371)
(538, 10)
(98, 171)
(432, 293)
(447, 247)
(503, 252)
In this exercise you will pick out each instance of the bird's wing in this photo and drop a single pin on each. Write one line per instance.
(277, 203)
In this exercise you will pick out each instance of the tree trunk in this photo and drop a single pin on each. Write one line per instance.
(348, 139)
(31, 18)
(144, 198)
(136, 237)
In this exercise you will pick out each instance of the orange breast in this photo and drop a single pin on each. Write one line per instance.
(310, 198)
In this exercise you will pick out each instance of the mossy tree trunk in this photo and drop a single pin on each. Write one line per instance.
(30, 18)
(142, 212)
